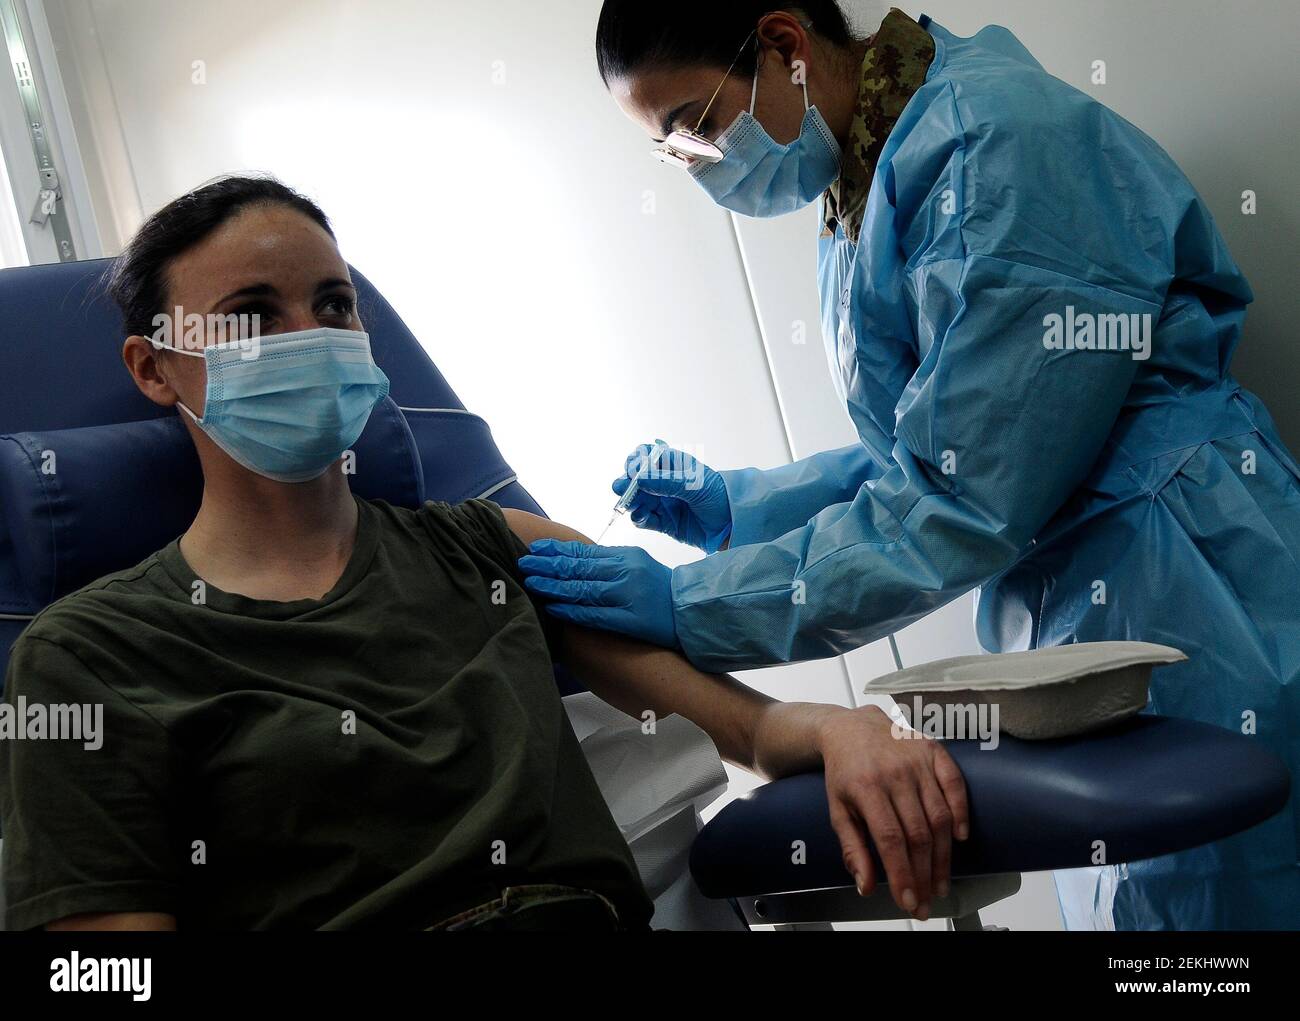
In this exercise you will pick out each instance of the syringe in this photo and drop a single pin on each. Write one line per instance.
(625, 501)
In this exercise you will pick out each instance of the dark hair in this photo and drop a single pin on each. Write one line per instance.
(632, 34)
(137, 279)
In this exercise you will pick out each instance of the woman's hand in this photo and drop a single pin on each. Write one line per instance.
(906, 792)
(680, 497)
(622, 589)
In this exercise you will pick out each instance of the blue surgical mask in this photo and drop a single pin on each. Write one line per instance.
(289, 407)
(759, 177)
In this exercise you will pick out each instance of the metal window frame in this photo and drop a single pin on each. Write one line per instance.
(41, 153)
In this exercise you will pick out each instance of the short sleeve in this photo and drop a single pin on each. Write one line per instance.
(85, 809)
(491, 534)
(486, 528)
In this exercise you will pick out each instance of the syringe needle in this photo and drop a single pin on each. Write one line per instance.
(625, 501)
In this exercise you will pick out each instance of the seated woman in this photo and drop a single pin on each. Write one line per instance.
(322, 712)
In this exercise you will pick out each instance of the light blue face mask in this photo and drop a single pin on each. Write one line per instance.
(295, 406)
(759, 177)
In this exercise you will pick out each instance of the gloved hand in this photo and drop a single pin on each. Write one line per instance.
(621, 589)
(679, 497)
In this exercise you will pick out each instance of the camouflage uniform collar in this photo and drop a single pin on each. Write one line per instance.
(894, 66)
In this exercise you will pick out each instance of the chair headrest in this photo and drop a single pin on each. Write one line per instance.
(461, 459)
(81, 503)
(61, 352)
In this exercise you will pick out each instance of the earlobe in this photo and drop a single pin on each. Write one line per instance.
(142, 362)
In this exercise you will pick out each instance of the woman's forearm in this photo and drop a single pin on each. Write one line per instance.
(636, 678)
(750, 730)
(757, 733)
(788, 738)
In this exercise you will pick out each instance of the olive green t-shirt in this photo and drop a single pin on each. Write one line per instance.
(384, 757)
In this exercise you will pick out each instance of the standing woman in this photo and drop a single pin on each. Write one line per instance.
(1030, 315)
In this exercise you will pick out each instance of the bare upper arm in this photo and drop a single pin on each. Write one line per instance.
(128, 921)
(530, 528)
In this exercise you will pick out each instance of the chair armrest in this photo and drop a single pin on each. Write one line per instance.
(1149, 786)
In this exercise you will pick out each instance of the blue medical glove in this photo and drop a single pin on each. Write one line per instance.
(679, 497)
(621, 589)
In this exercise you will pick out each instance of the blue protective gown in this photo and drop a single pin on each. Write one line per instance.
(1091, 493)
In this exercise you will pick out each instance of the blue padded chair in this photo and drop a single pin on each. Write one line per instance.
(94, 478)
(64, 390)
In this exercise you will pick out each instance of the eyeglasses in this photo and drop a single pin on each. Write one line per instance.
(687, 146)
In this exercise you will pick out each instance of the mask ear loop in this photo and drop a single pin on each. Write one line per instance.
(175, 350)
(753, 95)
(159, 345)
(806, 105)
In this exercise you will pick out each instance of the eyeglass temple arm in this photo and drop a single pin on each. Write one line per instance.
(754, 94)
(714, 97)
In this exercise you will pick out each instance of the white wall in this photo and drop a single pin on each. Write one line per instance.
(13, 249)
